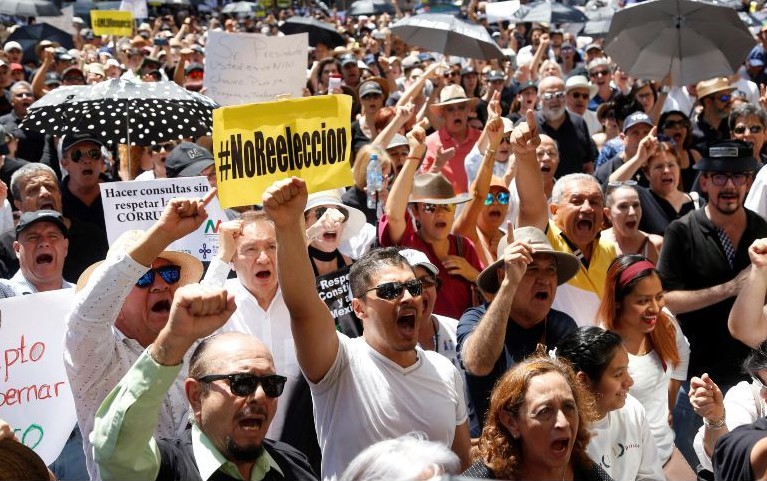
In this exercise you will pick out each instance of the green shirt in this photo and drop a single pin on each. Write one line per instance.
(122, 440)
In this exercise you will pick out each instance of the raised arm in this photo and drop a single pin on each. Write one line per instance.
(314, 330)
(533, 205)
(396, 203)
(648, 146)
(748, 320)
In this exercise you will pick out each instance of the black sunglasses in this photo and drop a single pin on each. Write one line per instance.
(245, 384)
(78, 155)
(167, 146)
(392, 290)
(170, 274)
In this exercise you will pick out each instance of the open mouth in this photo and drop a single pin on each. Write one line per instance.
(545, 169)
(631, 224)
(560, 446)
(87, 171)
(161, 306)
(406, 324)
(44, 259)
(729, 196)
(650, 320)
(47, 205)
(251, 424)
(440, 224)
(541, 296)
(264, 274)
(329, 236)
(584, 225)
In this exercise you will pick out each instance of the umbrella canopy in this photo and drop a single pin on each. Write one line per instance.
(247, 8)
(370, 7)
(692, 40)
(549, 12)
(29, 8)
(600, 16)
(319, 31)
(124, 112)
(29, 36)
(448, 35)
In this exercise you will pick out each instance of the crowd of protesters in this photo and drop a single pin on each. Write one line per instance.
(562, 276)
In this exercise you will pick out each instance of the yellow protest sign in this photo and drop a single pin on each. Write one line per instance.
(255, 145)
(112, 22)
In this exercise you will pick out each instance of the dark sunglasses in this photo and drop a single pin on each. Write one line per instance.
(167, 147)
(78, 155)
(671, 124)
(432, 208)
(392, 290)
(501, 197)
(720, 179)
(597, 73)
(580, 95)
(429, 281)
(320, 211)
(724, 98)
(244, 384)
(754, 129)
(170, 274)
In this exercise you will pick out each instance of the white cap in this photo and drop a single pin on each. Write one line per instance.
(12, 45)
(112, 63)
(417, 258)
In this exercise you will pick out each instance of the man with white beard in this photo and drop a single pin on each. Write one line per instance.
(566, 129)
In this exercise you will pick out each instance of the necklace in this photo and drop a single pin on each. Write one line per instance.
(321, 256)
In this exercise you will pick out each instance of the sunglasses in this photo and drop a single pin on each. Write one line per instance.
(170, 274)
(598, 73)
(553, 95)
(167, 147)
(724, 98)
(580, 95)
(244, 384)
(78, 155)
(21, 95)
(720, 179)
(432, 208)
(501, 197)
(754, 129)
(429, 281)
(620, 183)
(320, 211)
(672, 124)
(196, 75)
(392, 290)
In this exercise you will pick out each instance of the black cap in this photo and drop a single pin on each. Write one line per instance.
(29, 219)
(495, 75)
(348, 58)
(70, 140)
(727, 156)
(187, 160)
(192, 67)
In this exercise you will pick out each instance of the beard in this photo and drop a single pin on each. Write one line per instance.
(234, 452)
(551, 114)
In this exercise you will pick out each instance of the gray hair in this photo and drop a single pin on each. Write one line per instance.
(599, 61)
(20, 85)
(559, 186)
(744, 110)
(406, 458)
(28, 170)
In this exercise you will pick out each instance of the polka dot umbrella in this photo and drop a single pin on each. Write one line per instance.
(123, 112)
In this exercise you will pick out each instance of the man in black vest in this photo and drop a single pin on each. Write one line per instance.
(232, 390)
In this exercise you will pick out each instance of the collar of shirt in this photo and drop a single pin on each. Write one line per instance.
(209, 459)
(24, 286)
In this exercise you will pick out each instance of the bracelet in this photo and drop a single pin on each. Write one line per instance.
(491, 151)
(717, 425)
(413, 157)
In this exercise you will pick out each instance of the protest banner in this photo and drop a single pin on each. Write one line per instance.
(245, 68)
(501, 11)
(138, 204)
(138, 7)
(255, 145)
(35, 396)
(112, 22)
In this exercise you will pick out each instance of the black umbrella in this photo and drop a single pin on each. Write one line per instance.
(29, 36)
(124, 112)
(549, 12)
(319, 31)
(448, 35)
(29, 8)
(370, 7)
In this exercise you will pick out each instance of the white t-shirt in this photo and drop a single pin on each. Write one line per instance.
(365, 398)
(623, 444)
(446, 341)
(650, 388)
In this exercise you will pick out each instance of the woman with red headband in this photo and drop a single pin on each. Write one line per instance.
(634, 307)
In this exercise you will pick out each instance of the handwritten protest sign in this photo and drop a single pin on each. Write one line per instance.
(112, 22)
(138, 205)
(35, 397)
(244, 68)
(255, 145)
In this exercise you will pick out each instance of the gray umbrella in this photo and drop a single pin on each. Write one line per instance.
(692, 40)
(124, 112)
(600, 16)
(370, 7)
(448, 35)
(548, 12)
(29, 8)
(247, 8)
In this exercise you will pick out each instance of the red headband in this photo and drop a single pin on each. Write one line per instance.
(631, 271)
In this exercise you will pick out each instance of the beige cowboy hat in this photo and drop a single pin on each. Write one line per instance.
(712, 86)
(434, 188)
(567, 264)
(452, 94)
(191, 267)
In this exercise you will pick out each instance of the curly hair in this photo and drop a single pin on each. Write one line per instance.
(497, 447)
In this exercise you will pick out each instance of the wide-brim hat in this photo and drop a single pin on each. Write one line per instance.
(191, 267)
(18, 461)
(353, 224)
(705, 88)
(727, 156)
(452, 94)
(434, 188)
(580, 82)
(567, 264)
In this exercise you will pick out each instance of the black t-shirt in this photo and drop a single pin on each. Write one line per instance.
(605, 170)
(657, 212)
(732, 452)
(31, 144)
(576, 146)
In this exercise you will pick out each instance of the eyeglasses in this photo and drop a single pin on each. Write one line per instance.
(724, 98)
(754, 129)
(432, 208)
(320, 211)
(392, 290)
(580, 95)
(598, 73)
(453, 74)
(553, 95)
(245, 384)
(501, 197)
(21, 95)
(720, 179)
(78, 155)
(167, 147)
(429, 281)
(171, 274)
(672, 124)
(620, 183)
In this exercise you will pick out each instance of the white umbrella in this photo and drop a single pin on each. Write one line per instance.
(29, 8)
(693, 40)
